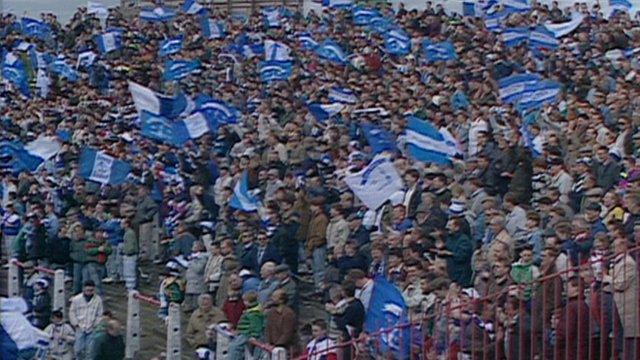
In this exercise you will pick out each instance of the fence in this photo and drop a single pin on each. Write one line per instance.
(13, 284)
(255, 350)
(590, 311)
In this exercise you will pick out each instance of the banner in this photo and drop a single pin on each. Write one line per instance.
(375, 184)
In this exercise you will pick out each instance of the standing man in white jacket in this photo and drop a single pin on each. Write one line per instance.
(85, 313)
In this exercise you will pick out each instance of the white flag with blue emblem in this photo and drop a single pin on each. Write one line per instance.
(375, 184)
(102, 168)
(276, 51)
(109, 41)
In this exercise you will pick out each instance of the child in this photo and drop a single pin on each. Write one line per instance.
(524, 271)
(250, 326)
(62, 337)
(598, 258)
(41, 303)
(172, 289)
(321, 347)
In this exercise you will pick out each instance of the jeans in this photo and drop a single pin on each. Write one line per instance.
(114, 263)
(130, 271)
(7, 241)
(94, 271)
(78, 272)
(83, 346)
(319, 265)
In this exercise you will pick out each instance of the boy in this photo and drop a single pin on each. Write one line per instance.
(250, 326)
(62, 337)
(320, 347)
(524, 271)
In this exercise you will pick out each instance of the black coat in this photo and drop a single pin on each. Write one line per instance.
(352, 316)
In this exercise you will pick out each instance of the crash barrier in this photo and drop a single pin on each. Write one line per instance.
(174, 345)
(253, 351)
(590, 311)
(14, 286)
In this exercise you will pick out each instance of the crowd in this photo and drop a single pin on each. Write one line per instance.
(520, 245)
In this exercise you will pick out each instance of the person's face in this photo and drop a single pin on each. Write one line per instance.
(526, 256)
(500, 270)
(317, 332)
(263, 239)
(206, 303)
(398, 212)
(88, 290)
(495, 226)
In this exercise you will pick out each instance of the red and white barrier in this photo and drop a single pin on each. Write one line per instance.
(13, 283)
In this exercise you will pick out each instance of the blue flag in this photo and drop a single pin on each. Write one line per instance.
(192, 7)
(428, 144)
(35, 28)
(64, 70)
(179, 69)
(175, 133)
(212, 29)
(538, 94)
(323, 112)
(271, 71)
(514, 36)
(337, 4)
(442, 51)
(388, 311)
(331, 50)
(272, 16)
(511, 87)
(363, 16)
(217, 111)
(100, 167)
(542, 38)
(14, 157)
(380, 140)
(306, 41)
(397, 42)
(109, 41)
(170, 46)
(146, 99)
(342, 95)
(243, 199)
(158, 14)
(13, 70)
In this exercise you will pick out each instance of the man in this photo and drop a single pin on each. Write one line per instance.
(10, 227)
(266, 251)
(572, 325)
(61, 336)
(497, 236)
(97, 251)
(411, 198)
(110, 345)
(316, 241)
(247, 252)
(268, 282)
(130, 251)
(84, 314)
(608, 174)
(288, 285)
(281, 326)
(363, 286)
(206, 314)
(560, 179)
(516, 218)
(146, 210)
(351, 320)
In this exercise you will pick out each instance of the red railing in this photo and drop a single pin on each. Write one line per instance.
(38, 268)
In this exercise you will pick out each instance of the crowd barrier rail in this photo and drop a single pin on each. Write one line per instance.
(13, 283)
(224, 335)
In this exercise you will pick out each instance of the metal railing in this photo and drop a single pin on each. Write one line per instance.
(224, 335)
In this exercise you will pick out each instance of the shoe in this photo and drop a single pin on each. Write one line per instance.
(107, 280)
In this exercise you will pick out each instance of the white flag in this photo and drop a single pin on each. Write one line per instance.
(375, 184)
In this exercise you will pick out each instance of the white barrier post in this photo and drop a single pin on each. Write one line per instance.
(279, 354)
(132, 345)
(58, 291)
(173, 333)
(13, 285)
(222, 341)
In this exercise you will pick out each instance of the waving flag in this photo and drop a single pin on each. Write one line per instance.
(276, 51)
(173, 133)
(492, 23)
(13, 70)
(35, 28)
(538, 94)
(14, 157)
(102, 168)
(39, 60)
(86, 59)
(242, 198)
(428, 144)
(64, 70)
(442, 51)
(323, 112)
(388, 313)
(109, 41)
(158, 14)
(379, 139)
(541, 38)
(306, 41)
(192, 7)
(512, 87)
(179, 69)
(565, 28)
(217, 111)
(376, 183)
(516, 6)
(331, 50)
(337, 4)
(363, 16)
(23, 46)
(170, 46)
(275, 70)
(17, 335)
(620, 5)
(397, 42)
(514, 36)
(146, 99)
(212, 29)
(342, 95)
(272, 16)
(100, 10)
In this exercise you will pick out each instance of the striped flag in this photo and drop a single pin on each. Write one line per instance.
(102, 168)
(426, 143)
(242, 198)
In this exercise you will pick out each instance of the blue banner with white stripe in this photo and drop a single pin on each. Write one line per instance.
(306, 41)
(212, 29)
(244, 199)
(342, 95)
(322, 112)
(170, 46)
(179, 69)
(271, 71)
(217, 111)
(158, 14)
(35, 28)
(102, 168)
(109, 41)
(64, 70)
(424, 142)
(192, 7)
(512, 87)
(397, 42)
(442, 51)
(379, 139)
(146, 99)
(332, 51)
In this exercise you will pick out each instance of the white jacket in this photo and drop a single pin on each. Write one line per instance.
(85, 315)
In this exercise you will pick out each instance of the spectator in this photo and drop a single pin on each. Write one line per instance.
(62, 337)
(195, 276)
(130, 250)
(268, 283)
(204, 316)
(321, 346)
(281, 323)
(110, 346)
(316, 240)
(97, 250)
(84, 314)
(250, 326)
(41, 304)
(287, 284)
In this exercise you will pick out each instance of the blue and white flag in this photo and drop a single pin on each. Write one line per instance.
(146, 99)
(43, 83)
(86, 59)
(493, 23)
(64, 70)
(616, 54)
(170, 46)
(331, 50)
(306, 41)
(217, 111)
(179, 69)
(252, 50)
(271, 71)
(98, 9)
(538, 94)
(514, 36)
(192, 7)
(379, 139)
(397, 42)
(342, 95)
(14, 71)
(388, 313)
(212, 29)
(620, 5)
(272, 16)
(512, 87)
(541, 38)
(173, 133)
(23, 46)
(428, 144)
(102, 168)
(15, 158)
(442, 51)
(376, 183)
(565, 28)
(109, 41)
(243, 199)
(381, 25)
(516, 6)
(39, 60)
(17, 335)
(337, 4)
(35, 28)
(158, 14)
(276, 51)
(322, 112)
(363, 16)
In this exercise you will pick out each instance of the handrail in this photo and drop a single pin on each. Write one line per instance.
(39, 268)
(148, 299)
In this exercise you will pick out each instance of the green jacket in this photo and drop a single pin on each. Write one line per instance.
(94, 254)
(174, 290)
(523, 274)
(252, 322)
(107, 347)
(130, 242)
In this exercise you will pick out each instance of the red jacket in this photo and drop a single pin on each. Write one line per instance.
(572, 332)
(233, 310)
